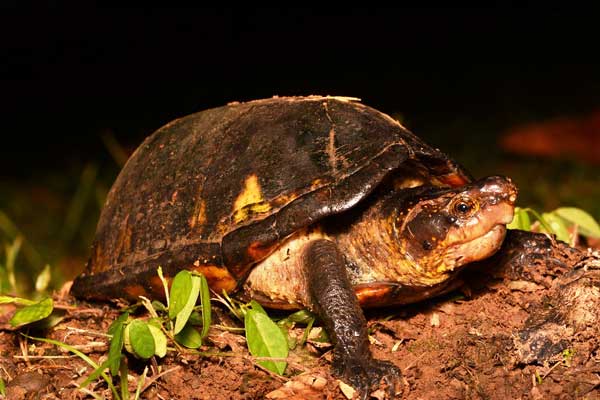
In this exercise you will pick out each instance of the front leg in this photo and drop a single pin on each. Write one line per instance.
(530, 256)
(334, 301)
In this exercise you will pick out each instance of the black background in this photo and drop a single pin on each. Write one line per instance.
(71, 71)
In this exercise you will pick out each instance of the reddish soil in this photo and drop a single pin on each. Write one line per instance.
(517, 335)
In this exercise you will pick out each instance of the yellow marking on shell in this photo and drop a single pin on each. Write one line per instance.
(316, 184)
(250, 210)
(199, 215)
(249, 201)
(250, 194)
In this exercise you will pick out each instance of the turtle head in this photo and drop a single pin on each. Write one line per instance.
(440, 229)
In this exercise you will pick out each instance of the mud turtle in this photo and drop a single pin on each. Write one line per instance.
(318, 202)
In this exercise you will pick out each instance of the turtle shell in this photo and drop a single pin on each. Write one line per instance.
(218, 190)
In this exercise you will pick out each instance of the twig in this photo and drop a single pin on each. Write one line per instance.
(154, 378)
(412, 363)
(6, 372)
(270, 373)
(551, 369)
(42, 357)
(84, 331)
(24, 349)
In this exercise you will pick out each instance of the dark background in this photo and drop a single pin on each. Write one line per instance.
(71, 72)
(73, 76)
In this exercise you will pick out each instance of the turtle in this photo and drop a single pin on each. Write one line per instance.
(317, 202)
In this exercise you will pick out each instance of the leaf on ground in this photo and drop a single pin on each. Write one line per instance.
(189, 337)
(587, 225)
(16, 300)
(32, 313)
(265, 339)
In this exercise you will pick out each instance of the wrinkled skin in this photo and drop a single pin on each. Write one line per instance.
(459, 226)
(343, 317)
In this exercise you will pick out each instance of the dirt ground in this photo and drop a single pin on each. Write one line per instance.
(509, 333)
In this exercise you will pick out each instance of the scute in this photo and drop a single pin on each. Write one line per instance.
(222, 187)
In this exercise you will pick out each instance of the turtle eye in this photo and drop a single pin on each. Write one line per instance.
(463, 207)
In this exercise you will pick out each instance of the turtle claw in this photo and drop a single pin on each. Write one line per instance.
(367, 374)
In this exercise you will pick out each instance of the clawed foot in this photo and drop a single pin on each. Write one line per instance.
(522, 253)
(366, 375)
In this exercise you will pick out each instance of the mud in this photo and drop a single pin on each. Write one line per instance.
(510, 333)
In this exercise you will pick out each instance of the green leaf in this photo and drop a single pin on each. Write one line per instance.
(2, 387)
(309, 326)
(521, 220)
(265, 339)
(116, 343)
(141, 339)
(302, 317)
(160, 341)
(158, 306)
(95, 374)
(127, 340)
(195, 318)
(121, 319)
(189, 337)
(558, 226)
(180, 292)
(255, 305)
(16, 300)
(186, 310)
(32, 313)
(587, 225)
(205, 303)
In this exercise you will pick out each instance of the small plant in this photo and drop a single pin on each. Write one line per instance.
(266, 340)
(175, 323)
(565, 222)
(538, 378)
(143, 338)
(567, 357)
